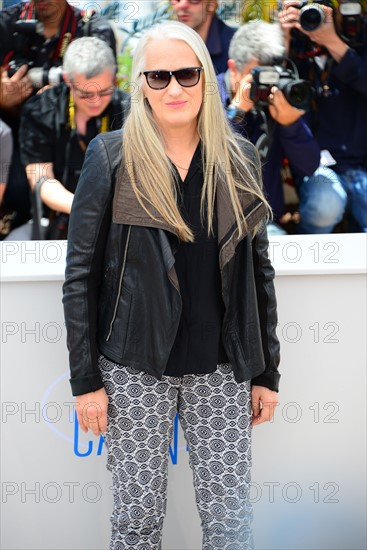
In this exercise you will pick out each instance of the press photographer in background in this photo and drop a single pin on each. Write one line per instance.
(33, 38)
(57, 126)
(328, 45)
(266, 103)
(201, 16)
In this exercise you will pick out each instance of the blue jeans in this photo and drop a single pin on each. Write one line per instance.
(325, 195)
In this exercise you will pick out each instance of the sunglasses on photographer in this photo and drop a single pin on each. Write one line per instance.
(158, 80)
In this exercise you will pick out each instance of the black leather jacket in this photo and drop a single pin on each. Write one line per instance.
(121, 294)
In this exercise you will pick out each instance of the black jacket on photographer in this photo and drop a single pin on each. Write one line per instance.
(46, 133)
(17, 49)
(122, 294)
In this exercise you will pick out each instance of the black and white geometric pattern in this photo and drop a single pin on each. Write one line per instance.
(215, 414)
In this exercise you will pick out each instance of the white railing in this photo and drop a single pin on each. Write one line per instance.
(308, 484)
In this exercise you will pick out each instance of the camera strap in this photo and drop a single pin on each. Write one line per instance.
(266, 126)
(68, 31)
(324, 77)
(105, 122)
(320, 76)
(71, 124)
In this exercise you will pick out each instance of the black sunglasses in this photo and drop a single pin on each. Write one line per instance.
(158, 80)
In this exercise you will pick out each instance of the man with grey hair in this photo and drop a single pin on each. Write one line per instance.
(256, 41)
(278, 129)
(58, 124)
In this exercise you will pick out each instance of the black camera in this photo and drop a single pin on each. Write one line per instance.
(297, 92)
(28, 26)
(24, 39)
(39, 76)
(312, 16)
(15, 64)
(24, 33)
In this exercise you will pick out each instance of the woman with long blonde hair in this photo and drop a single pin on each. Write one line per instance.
(169, 297)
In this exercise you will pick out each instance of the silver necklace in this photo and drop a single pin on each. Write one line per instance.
(178, 166)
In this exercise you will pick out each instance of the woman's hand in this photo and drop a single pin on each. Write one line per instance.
(263, 405)
(91, 409)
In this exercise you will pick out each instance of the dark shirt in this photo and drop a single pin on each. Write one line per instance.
(45, 134)
(198, 347)
(217, 42)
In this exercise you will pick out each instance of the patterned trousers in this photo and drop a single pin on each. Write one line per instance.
(215, 415)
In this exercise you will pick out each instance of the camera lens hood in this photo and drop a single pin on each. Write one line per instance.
(312, 16)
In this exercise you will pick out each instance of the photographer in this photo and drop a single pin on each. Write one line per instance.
(332, 52)
(275, 126)
(201, 16)
(57, 126)
(34, 35)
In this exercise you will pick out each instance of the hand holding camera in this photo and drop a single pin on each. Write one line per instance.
(280, 110)
(23, 75)
(276, 88)
(313, 19)
(296, 93)
(241, 99)
(317, 21)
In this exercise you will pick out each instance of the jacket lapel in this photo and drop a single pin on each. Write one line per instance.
(127, 210)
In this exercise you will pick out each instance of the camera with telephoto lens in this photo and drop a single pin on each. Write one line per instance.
(312, 16)
(23, 39)
(39, 76)
(297, 92)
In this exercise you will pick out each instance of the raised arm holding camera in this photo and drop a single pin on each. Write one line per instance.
(328, 45)
(266, 102)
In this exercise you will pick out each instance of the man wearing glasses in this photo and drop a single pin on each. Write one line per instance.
(200, 16)
(58, 124)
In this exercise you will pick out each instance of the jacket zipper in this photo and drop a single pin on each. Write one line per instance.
(120, 285)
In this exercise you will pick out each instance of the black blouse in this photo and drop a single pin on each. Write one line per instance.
(198, 347)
